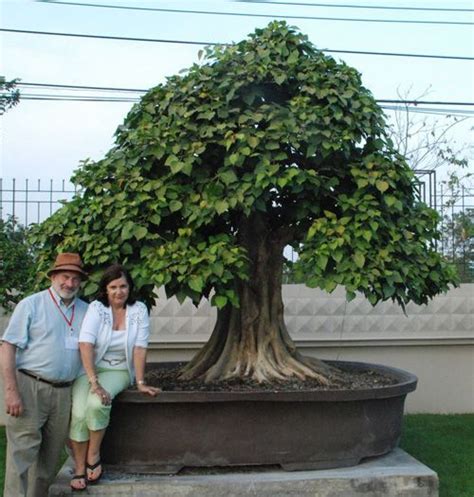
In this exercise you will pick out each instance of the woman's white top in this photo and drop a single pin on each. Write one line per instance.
(114, 357)
(97, 329)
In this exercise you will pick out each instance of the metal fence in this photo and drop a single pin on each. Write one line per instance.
(33, 201)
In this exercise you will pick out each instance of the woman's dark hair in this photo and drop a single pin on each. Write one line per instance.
(114, 272)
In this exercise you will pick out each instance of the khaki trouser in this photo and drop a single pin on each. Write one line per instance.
(36, 438)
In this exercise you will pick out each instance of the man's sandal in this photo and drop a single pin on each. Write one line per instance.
(93, 467)
(78, 477)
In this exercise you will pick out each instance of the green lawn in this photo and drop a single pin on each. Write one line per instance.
(444, 443)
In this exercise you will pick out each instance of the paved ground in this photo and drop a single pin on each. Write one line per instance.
(394, 475)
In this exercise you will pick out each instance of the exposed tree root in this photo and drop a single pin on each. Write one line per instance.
(252, 341)
(224, 357)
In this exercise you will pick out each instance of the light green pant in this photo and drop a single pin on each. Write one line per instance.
(88, 413)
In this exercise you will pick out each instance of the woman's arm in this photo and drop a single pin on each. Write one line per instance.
(87, 357)
(139, 361)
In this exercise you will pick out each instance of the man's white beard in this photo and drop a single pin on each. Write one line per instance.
(65, 294)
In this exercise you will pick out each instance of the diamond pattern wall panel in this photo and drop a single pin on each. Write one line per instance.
(312, 314)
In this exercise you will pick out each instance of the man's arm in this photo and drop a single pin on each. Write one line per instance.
(13, 402)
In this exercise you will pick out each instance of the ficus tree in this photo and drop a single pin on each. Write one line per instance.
(266, 143)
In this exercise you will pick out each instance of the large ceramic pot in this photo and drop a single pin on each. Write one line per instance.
(297, 430)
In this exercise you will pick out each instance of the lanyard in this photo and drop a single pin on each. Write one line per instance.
(68, 321)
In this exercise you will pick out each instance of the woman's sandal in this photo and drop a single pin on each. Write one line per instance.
(93, 467)
(78, 477)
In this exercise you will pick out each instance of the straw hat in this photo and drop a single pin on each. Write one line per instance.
(68, 261)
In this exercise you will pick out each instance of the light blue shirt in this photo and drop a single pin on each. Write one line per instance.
(46, 344)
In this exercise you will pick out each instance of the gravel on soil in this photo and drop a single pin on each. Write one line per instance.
(348, 379)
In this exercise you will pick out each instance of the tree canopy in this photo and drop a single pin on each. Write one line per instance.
(17, 263)
(269, 132)
(9, 94)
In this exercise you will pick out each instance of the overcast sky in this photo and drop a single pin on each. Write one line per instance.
(47, 139)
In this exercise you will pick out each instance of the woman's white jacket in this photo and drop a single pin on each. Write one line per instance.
(97, 329)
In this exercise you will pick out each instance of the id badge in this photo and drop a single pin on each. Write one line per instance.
(72, 342)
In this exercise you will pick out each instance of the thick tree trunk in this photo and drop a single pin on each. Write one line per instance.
(252, 341)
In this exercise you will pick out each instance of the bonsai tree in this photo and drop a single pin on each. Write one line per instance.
(266, 143)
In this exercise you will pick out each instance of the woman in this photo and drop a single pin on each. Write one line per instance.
(112, 341)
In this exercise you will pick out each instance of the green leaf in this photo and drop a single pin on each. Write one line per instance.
(322, 262)
(350, 295)
(140, 232)
(282, 182)
(359, 259)
(293, 57)
(388, 291)
(155, 219)
(218, 269)
(220, 301)
(272, 145)
(90, 288)
(249, 97)
(280, 78)
(181, 297)
(337, 255)
(113, 223)
(372, 298)
(175, 205)
(374, 225)
(127, 230)
(228, 177)
(330, 215)
(233, 159)
(221, 206)
(381, 186)
(252, 141)
(150, 108)
(176, 167)
(311, 149)
(126, 248)
(196, 283)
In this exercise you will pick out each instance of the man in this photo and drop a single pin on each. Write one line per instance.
(40, 359)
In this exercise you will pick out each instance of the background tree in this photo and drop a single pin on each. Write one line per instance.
(428, 144)
(16, 255)
(9, 95)
(17, 263)
(457, 242)
(267, 143)
(426, 141)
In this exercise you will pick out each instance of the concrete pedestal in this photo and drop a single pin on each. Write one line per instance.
(394, 475)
